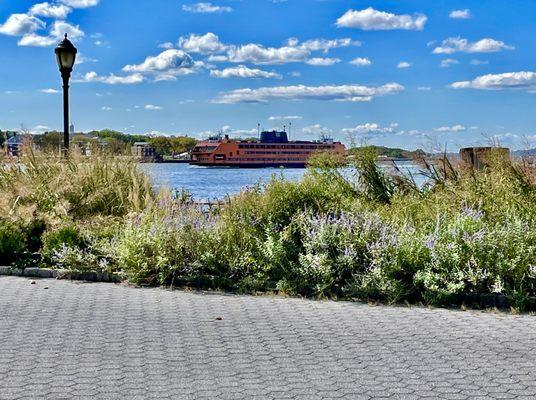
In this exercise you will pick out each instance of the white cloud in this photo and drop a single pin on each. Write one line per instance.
(209, 43)
(292, 51)
(106, 108)
(323, 44)
(56, 11)
(80, 3)
(454, 128)
(316, 129)
(479, 62)
(60, 28)
(242, 71)
(460, 14)
(361, 62)
(458, 44)
(354, 93)
(403, 64)
(447, 62)
(369, 128)
(166, 45)
(424, 88)
(151, 107)
(284, 117)
(322, 62)
(21, 24)
(167, 65)
(112, 79)
(34, 40)
(40, 129)
(508, 80)
(49, 91)
(205, 8)
(258, 54)
(57, 30)
(371, 19)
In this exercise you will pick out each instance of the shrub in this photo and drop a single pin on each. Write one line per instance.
(12, 241)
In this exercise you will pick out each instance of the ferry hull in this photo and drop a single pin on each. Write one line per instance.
(251, 165)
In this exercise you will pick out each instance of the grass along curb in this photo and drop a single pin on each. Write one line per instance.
(44, 273)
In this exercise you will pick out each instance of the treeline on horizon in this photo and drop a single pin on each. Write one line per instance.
(116, 142)
(119, 143)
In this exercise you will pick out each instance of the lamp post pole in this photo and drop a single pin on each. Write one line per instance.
(65, 78)
(65, 56)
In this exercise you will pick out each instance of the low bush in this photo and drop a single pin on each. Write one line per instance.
(357, 233)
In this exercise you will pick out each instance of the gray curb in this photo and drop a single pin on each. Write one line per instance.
(44, 273)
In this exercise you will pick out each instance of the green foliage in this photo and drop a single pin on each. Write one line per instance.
(68, 235)
(167, 146)
(12, 241)
(350, 234)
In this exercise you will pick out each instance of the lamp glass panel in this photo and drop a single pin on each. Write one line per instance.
(67, 60)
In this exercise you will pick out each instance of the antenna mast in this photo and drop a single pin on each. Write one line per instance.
(289, 129)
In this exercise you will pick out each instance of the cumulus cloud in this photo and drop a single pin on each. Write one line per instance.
(454, 128)
(316, 129)
(208, 43)
(258, 54)
(508, 80)
(370, 19)
(167, 65)
(113, 79)
(242, 71)
(323, 44)
(354, 93)
(49, 91)
(403, 64)
(292, 51)
(80, 3)
(56, 11)
(361, 62)
(106, 108)
(458, 44)
(168, 59)
(447, 62)
(60, 28)
(370, 128)
(21, 24)
(57, 30)
(152, 107)
(284, 117)
(322, 62)
(460, 14)
(205, 8)
(34, 40)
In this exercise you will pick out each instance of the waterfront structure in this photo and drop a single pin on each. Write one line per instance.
(272, 150)
(143, 151)
(479, 157)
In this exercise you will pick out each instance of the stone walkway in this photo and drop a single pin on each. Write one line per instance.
(65, 340)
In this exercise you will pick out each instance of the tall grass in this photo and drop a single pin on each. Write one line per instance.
(366, 234)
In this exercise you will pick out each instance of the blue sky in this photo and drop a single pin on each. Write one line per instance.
(415, 73)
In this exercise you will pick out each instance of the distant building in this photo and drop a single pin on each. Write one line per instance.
(71, 129)
(143, 151)
(16, 142)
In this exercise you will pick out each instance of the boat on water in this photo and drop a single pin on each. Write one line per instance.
(273, 149)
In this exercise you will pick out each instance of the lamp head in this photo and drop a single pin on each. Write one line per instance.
(65, 55)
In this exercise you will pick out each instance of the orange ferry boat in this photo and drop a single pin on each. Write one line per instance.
(272, 150)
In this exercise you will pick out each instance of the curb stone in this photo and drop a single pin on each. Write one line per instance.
(44, 273)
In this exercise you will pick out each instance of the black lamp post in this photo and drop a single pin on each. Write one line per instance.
(66, 56)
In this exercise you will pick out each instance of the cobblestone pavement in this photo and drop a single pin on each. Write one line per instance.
(65, 340)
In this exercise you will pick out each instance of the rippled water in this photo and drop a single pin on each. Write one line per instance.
(215, 183)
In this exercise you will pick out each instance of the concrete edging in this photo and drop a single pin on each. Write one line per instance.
(47, 273)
